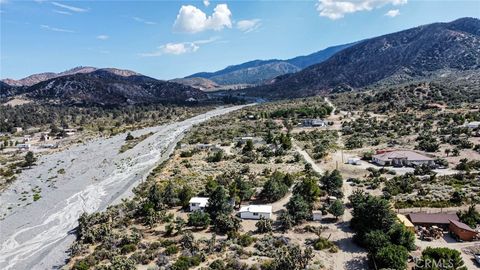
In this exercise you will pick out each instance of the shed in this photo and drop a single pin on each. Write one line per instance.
(462, 230)
(317, 215)
(407, 223)
(441, 220)
(197, 203)
(353, 161)
(256, 212)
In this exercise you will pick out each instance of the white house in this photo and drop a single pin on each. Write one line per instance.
(197, 203)
(23, 146)
(314, 123)
(473, 125)
(402, 158)
(256, 212)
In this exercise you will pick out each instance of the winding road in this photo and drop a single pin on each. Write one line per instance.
(83, 178)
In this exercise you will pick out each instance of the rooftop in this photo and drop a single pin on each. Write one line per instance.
(403, 219)
(256, 208)
(462, 225)
(438, 218)
(402, 154)
(200, 200)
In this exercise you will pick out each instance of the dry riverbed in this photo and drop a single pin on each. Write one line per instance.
(83, 178)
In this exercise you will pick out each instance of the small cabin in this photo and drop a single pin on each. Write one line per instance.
(197, 203)
(256, 212)
(462, 231)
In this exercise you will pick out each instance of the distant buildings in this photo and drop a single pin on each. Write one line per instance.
(197, 203)
(256, 212)
(401, 158)
(23, 146)
(314, 123)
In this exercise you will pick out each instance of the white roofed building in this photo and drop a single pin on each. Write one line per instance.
(197, 203)
(256, 212)
(402, 158)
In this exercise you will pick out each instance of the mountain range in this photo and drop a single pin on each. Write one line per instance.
(106, 87)
(261, 71)
(422, 52)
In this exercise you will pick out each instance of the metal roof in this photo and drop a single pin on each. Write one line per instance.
(402, 154)
(462, 225)
(437, 218)
(257, 209)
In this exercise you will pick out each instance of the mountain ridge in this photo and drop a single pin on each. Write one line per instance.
(407, 54)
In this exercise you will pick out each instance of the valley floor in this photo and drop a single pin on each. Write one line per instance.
(84, 178)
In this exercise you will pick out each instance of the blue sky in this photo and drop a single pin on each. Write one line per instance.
(169, 39)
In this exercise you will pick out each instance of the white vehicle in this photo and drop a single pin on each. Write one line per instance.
(477, 258)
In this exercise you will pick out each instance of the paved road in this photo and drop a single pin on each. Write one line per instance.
(36, 236)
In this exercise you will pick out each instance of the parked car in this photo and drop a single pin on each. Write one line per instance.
(477, 258)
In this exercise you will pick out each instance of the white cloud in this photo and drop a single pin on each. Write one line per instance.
(103, 37)
(55, 29)
(192, 20)
(336, 9)
(248, 25)
(206, 3)
(393, 13)
(142, 20)
(178, 48)
(62, 12)
(68, 7)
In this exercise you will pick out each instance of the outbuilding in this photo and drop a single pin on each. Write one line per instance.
(197, 203)
(462, 230)
(407, 223)
(316, 215)
(256, 212)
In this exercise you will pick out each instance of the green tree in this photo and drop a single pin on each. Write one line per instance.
(29, 159)
(264, 225)
(170, 195)
(400, 235)
(218, 203)
(248, 146)
(299, 209)
(308, 188)
(440, 258)
(184, 195)
(391, 257)
(199, 219)
(332, 183)
(376, 240)
(225, 223)
(337, 209)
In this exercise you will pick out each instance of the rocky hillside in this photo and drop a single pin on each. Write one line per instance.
(107, 87)
(36, 78)
(262, 71)
(425, 51)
